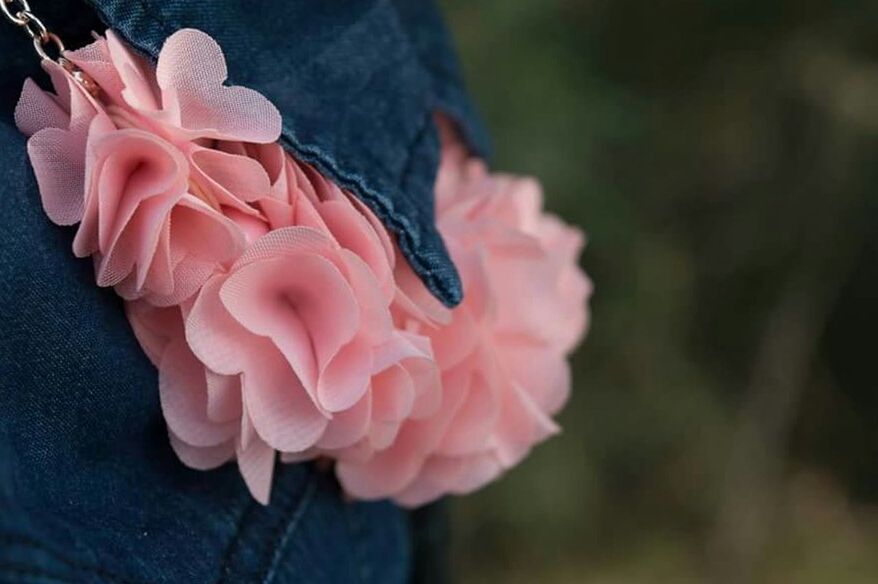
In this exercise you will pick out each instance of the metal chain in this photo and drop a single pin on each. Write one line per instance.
(19, 13)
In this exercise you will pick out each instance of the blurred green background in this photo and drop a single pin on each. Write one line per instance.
(722, 157)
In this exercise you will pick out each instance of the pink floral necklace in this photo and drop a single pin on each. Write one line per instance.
(275, 306)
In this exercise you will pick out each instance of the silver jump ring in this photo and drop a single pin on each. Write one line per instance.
(40, 45)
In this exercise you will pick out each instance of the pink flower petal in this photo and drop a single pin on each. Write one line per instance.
(285, 242)
(354, 233)
(345, 377)
(474, 419)
(191, 70)
(256, 463)
(233, 179)
(521, 425)
(37, 109)
(183, 392)
(57, 159)
(95, 61)
(280, 408)
(213, 334)
(139, 89)
(348, 426)
(393, 394)
(414, 301)
(202, 457)
(154, 327)
(458, 475)
(224, 400)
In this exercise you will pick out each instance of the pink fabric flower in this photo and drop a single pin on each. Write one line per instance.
(277, 308)
(140, 169)
(293, 349)
(503, 355)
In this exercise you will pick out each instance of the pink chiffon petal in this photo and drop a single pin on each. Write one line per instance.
(457, 341)
(398, 347)
(95, 61)
(544, 374)
(348, 426)
(256, 463)
(37, 109)
(139, 91)
(345, 377)
(204, 233)
(183, 392)
(375, 319)
(137, 179)
(232, 177)
(224, 399)
(280, 408)
(252, 227)
(354, 233)
(393, 394)
(213, 334)
(191, 71)
(382, 435)
(285, 242)
(474, 419)
(202, 457)
(309, 311)
(414, 300)
(459, 475)
(521, 425)
(391, 470)
(155, 328)
(56, 156)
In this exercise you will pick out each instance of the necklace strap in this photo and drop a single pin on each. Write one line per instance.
(19, 13)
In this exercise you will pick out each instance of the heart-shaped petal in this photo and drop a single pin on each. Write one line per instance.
(191, 71)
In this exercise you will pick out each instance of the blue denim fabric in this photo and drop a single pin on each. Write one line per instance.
(90, 490)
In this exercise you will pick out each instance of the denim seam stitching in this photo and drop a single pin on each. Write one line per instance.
(243, 522)
(292, 525)
(355, 525)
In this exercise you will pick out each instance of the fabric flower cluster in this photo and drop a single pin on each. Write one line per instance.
(277, 308)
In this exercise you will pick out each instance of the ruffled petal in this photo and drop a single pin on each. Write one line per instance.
(191, 71)
(183, 392)
(280, 408)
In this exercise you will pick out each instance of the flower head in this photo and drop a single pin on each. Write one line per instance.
(503, 354)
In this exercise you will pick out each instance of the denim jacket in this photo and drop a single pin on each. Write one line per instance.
(90, 490)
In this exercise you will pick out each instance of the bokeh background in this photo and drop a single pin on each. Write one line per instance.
(722, 157)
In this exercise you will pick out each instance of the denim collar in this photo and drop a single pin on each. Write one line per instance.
(357, 84)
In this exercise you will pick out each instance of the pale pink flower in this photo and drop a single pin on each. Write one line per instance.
(277, 308)
(293, 348)
(139, 166)
(502, 355)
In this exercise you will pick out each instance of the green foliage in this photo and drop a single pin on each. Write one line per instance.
(721, 156)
